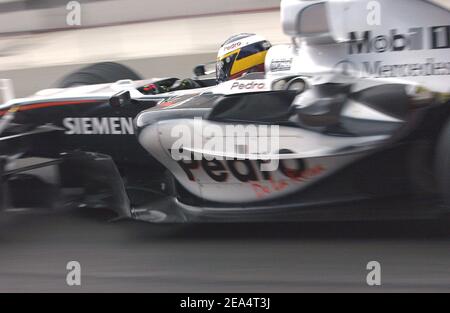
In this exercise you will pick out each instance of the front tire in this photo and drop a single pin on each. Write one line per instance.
(99, 73)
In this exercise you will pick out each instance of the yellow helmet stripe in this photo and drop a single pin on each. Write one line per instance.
(229, 54)
(248, 62)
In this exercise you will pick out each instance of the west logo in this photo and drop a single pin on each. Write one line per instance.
(413, 40)
(280, 65)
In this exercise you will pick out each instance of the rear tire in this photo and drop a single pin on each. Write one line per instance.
(99, 73)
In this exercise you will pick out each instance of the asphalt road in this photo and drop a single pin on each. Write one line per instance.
(128, 256)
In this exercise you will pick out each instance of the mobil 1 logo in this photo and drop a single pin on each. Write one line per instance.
(395, 41)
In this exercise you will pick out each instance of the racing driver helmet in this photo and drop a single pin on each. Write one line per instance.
(241, 54)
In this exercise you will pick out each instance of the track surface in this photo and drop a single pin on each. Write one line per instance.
(130, 256)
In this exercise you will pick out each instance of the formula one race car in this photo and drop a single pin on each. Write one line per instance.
(348, 122)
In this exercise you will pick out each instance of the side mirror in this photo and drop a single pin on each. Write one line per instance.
(120, 99)
(200, 70)
(205, 69)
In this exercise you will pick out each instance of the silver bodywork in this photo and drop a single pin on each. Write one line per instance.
(323, 154)
(407, 40)
(333, 41)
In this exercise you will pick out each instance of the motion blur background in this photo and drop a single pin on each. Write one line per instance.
(156, 38)
(168, 38)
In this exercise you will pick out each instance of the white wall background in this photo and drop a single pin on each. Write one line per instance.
(122, 11)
